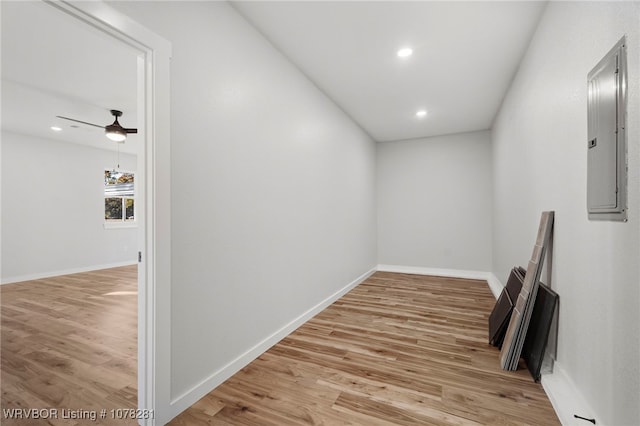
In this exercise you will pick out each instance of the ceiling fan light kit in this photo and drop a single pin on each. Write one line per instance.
(115, 134)
(114, 131)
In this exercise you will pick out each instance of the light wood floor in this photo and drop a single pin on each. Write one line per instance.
(70, 342)
(397, 350)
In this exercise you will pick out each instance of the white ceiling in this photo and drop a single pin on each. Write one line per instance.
(465, 56)
(54, 65)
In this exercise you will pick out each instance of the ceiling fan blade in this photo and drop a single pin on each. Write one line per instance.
(130, 130)
(78, 121)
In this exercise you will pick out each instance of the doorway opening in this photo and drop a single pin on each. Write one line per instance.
(28, 89)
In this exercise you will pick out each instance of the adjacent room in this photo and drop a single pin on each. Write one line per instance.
(319, 207)
(69, 232)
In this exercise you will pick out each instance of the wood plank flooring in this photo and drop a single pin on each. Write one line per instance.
(397, 350)
(70, 342)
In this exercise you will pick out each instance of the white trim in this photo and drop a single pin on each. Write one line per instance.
(190, 397)
(154, 272)
(51, 274)
(120, 224)
(438, 272)
(566, 398)
(494, 283)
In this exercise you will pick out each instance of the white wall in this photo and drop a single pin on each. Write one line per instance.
(273, 207)
(53, 209)
(540, 158)
(434, 202)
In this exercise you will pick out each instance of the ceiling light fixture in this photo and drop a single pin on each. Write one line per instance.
(114, 131)
(405, 52)
(56, 128)
(421, 113)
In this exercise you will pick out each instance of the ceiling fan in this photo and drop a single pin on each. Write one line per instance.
(114, 131)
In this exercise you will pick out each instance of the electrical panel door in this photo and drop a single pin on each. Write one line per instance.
(606, 144)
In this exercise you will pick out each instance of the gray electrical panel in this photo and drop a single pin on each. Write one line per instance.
(606, 143)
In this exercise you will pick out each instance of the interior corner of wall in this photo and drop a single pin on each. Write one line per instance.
(495, 284)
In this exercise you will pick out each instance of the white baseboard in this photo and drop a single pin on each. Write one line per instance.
(494, 283)
(190, 397)
(42, 275)
(566, 398)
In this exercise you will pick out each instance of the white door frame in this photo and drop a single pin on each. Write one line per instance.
(153, 206)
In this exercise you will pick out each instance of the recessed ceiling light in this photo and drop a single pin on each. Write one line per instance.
(56, 128)
(421, 113)
(405, 52)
